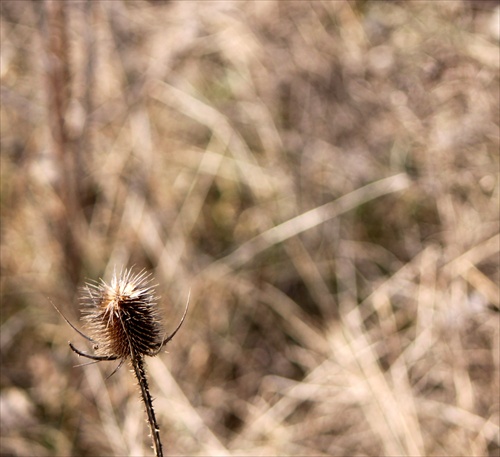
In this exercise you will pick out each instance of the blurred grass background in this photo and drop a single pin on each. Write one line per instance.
(322, 177)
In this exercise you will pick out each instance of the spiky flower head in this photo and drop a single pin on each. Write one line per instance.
(122, 317)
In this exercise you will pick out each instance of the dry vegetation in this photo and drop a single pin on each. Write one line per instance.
(322, 176)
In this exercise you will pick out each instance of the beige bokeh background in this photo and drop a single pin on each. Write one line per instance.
(321, 177)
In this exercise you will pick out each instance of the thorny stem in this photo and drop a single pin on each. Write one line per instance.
(140, 373)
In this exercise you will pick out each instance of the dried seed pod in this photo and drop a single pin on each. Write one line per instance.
(124, 323)
(123, 317)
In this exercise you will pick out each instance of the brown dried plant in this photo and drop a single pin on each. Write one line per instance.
(124, 323)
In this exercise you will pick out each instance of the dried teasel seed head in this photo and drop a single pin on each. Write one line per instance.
(123, 316)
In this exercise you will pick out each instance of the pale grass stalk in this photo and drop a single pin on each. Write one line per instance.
(313, 218)
(109, 420)
(188, 415)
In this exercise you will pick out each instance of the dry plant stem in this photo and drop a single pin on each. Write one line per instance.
(312, 218)
(66, 217)
(140, 373)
